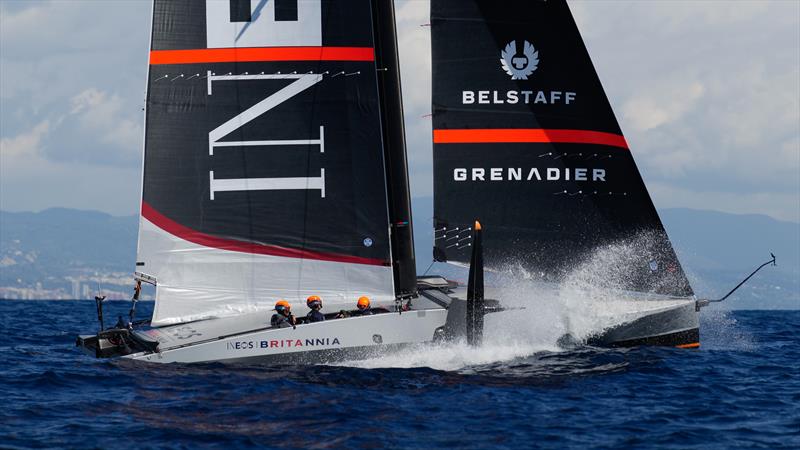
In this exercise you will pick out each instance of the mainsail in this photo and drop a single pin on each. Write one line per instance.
(525, 140)
(265, 160)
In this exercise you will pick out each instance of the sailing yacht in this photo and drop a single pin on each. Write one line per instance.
(275, 168)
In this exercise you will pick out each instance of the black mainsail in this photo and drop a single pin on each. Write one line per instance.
(265, 167)
(526, 141)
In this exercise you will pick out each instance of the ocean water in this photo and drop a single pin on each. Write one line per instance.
(741, 389)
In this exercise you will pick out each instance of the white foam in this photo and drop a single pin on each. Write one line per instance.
(508, 335)
(587, 301)
(449, 357)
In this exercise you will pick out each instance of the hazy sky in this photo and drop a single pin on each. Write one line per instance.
(707, 94)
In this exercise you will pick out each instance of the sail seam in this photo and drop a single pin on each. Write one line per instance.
(206, 240)
(527, 135)
(250, 54)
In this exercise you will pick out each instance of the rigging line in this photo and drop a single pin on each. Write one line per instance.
(429, 268)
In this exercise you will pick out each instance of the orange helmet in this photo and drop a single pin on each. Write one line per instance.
(282, 305)
(363, 302)
(313, 301)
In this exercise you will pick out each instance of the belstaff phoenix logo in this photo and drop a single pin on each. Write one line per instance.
(519, 66)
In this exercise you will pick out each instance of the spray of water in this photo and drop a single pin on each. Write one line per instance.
(585, 301)
(508, 336)
(720, 332)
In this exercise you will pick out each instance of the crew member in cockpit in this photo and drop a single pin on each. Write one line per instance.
(283, 317)
(364, 308)
(314, 303)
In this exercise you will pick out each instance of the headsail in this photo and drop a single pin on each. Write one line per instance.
(526, 141)
(264, 173)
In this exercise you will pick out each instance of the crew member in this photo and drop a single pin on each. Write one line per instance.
(283, 317)
(363, 307)
(314, 303)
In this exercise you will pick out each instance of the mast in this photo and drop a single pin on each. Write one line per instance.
(394, 147)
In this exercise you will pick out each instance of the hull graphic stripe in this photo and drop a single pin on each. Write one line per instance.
(527, 135)
(197, 237)
(250, 54)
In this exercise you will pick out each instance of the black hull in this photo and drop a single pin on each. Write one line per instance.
(682, 339)
(674, 327)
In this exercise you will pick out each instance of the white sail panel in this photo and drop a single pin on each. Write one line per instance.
(197, 282)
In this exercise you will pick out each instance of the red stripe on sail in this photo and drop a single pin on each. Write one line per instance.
(206, 240)
(527, 135)
(250, 54)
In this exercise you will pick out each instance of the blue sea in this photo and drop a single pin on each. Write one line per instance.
(741, 389)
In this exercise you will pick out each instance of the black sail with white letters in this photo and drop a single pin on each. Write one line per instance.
(525, 141)
(264, 168)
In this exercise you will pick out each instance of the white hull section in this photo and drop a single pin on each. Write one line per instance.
(437, 315)
(196, 282)
(318, 342)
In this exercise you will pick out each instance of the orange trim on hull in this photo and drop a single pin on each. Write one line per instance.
(692, 345)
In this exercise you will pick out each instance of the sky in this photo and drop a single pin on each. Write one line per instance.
(707, 94)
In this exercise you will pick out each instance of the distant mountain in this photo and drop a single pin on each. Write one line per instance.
(65, 238)
(716, 249)
(64, 250)
(68, 252)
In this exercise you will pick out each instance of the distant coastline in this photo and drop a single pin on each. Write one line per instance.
(67, 254)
